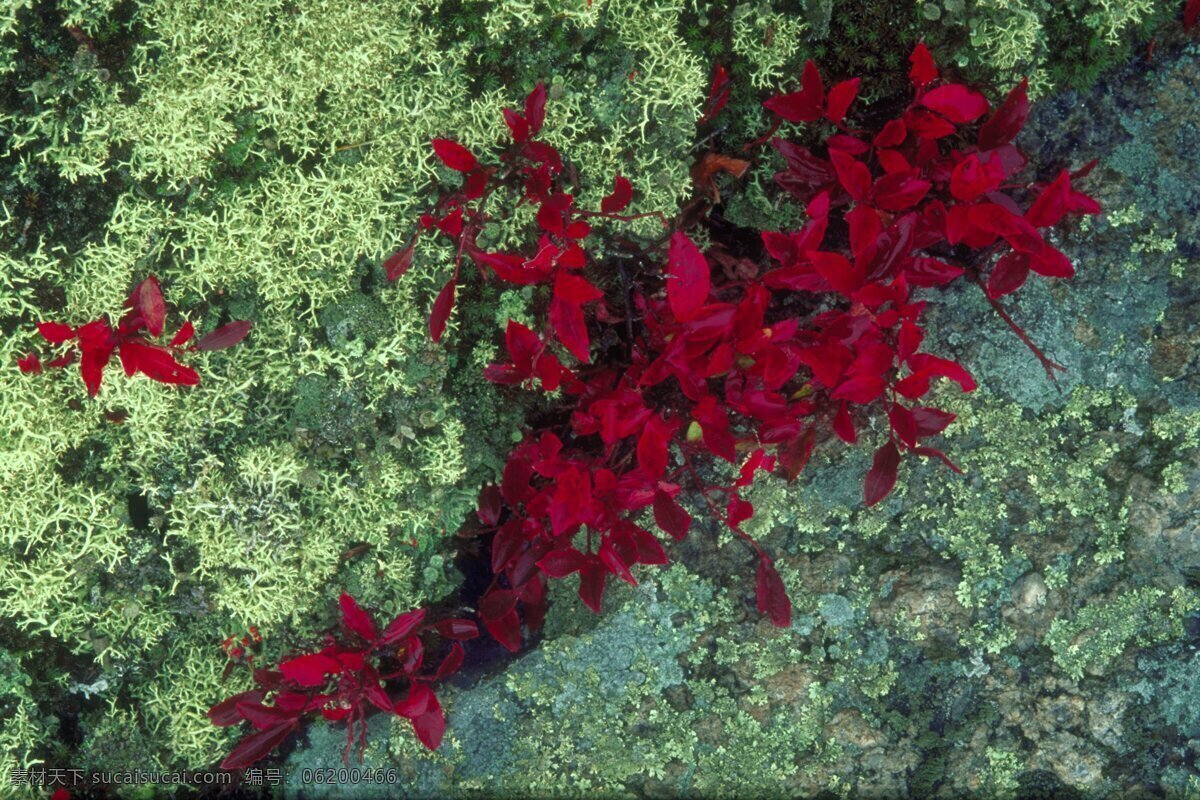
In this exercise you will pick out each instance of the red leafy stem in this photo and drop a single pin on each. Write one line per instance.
(95, 342)
(359, 670)
(728, 353)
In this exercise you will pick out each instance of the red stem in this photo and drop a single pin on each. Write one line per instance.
(1047, 364)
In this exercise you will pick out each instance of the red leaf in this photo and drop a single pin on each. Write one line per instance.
(225, 336)
(570, 327)
(258, 746)
(496, 603)
(806, 105)
(55, 332)
(620, 198)
(431, 725)
(1008, 274)
(923, 71)
(861, 389)
(147, 300)
(506, 545)
(30, 364)
(840, 98)
(837, 270)
(543, 153)
(517, 125)
(852, 174)
(931, 421)
(155, 363)
(927, 272)
(514, 484)
(772, 595)
(865, 227)
(1004, 125)
(226, 713)
(356, 619)
(909, 340)
(416, 702)
(925, 124)
(591, 586)
(414, 654)
(451, 224)
(612, 560)
(535, 108)
(451, 663)
(738, 511)
(904, 424)
(652, 447)
(1051, 263)
(794, 455)
(454, 155)
(505, 629)
(441, 310)
(934, 365)
(457, 628)
(1051, 205)
(402, 626)
(649, 551)
(718, 94)
(900, 190)
(670, 516)
(1191, 13)
(688, 277)
(892, 134)
(65, 360)
(956, 102)
(374, 691)
(972, 179)
(575, 289)
(310, 670)
(561, 563)
(185, 332)
(881, 477)
(263, 717)
(398, 263)
(843, 426)
(489, 505)
(523, 344)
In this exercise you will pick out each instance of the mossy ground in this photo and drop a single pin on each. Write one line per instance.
(262, 158)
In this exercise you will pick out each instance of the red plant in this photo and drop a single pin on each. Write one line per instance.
(96, 342)
(746, 358)
(344, 681)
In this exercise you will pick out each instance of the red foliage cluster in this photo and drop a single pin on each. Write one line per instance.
(354, 673)
(95, 342)
(721, 354)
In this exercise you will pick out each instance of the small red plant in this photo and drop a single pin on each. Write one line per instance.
(360, 670)
(94, 343)
(748, 359)
(745, 355)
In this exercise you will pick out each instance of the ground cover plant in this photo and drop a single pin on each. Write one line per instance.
(748, 352)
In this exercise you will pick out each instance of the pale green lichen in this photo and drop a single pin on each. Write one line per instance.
(1103, 629)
